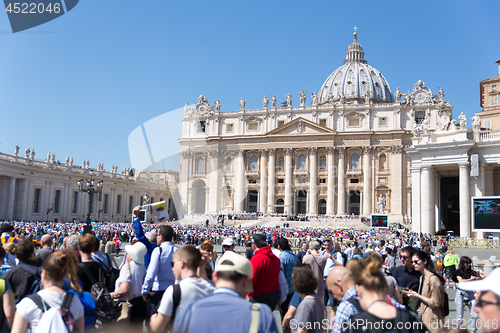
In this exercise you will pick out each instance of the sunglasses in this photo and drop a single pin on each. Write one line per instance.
(404, 257)
(481, 303)
(416, 262)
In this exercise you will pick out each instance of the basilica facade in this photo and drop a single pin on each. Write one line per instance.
(341, 153)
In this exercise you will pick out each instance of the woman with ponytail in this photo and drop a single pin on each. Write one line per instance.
(431, 292)
(55, 268)
(376, 314)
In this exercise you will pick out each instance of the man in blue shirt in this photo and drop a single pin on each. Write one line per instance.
(232, 277)
(159, 275)
(288, 261)
(139, 232)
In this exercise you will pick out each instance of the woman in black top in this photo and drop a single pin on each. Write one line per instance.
(466, 298)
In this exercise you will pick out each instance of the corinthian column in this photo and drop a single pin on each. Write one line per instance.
(313, 182)
(288, 180)
(11, 200)
(464, 201)
(330, 182)
(239, 194)
(367, 181)
(215, 176)
(263, 182)
(427, 201)
(271, 180)
(341, 180)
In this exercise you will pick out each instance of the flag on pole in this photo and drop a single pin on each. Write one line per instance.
(159, 210)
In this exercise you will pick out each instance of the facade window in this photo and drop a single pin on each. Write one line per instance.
(382, 121)
(106, 203)
(130, 204)
(322, 122)
(355, 161)
(487, 124)
(253, 126)
(199, 165)
(322, 163)
(354, 181)
(57, 202)
(322, 180)
(281, 164)
(494, 86)
(201, 126)
(229, 127)
(354, 122)
(301, 180)
(382, 160)
(152, 199)
(281, 181)
(36, 201)
(253, 163)
(281, 123)
(302, 162)
(252, 181)
(419, 117)
(74, 206)
(119, 204)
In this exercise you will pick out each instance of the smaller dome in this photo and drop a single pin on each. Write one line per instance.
(355, 80)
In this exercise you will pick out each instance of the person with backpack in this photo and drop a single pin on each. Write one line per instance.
(88, 268)
(24, 278)
(190, 287)
(431, 292)
(36, 310)
(377, 315)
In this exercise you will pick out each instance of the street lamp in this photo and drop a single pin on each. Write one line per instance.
(89, 186)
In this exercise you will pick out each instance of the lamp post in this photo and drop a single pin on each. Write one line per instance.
(89, 186)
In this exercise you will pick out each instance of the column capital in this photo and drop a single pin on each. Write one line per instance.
(342, 151)
(463, 166)
(397, 149)
(366, 150)
(313, 151)
(263, 152)
(239, 153)
(288, 151)
(331, 150)
(271, 151)
(214, 153)
(186, 154)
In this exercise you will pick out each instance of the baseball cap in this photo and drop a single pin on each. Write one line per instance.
(490, 283)
(234, 262)
(228, 242)
(258, 239)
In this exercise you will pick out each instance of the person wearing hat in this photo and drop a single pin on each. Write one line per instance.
(7, 231)
(488, 301)
(228, 245)
(129, 284)
(232, 279)
(266, 269)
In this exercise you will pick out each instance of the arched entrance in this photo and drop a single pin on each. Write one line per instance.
(354, 203)
(322, 207)
(199, 196)
(252, 198)
(280, 206)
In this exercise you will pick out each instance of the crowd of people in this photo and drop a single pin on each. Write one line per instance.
(171, 279)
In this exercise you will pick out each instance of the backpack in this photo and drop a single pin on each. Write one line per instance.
(344, 257)
(105, 312)
(88, 305)
(112, 273)
(53, 319)
(35, 286)
(176, 297)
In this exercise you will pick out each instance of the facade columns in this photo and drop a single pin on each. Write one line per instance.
(397, 197)
(271, 180)
(263, 180)
(341, 180)
(11, 200)
(239, 195)
(464, 200)
(330, 182)
(313, 182)
(288, 180)
(367, 181)
(415, 200)
(213, 199)
(427, 201)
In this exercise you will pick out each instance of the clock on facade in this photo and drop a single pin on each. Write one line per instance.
(420, 97)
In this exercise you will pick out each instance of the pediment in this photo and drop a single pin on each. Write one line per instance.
(301, 126)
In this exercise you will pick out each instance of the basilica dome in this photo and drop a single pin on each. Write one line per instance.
(355, 81)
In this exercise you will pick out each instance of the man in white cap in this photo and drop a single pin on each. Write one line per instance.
(232, 278)
(227, 245)
(488, 303)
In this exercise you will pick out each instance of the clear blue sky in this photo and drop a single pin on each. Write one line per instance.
(79, 85)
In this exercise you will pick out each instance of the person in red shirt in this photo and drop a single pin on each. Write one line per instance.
(266, 269)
